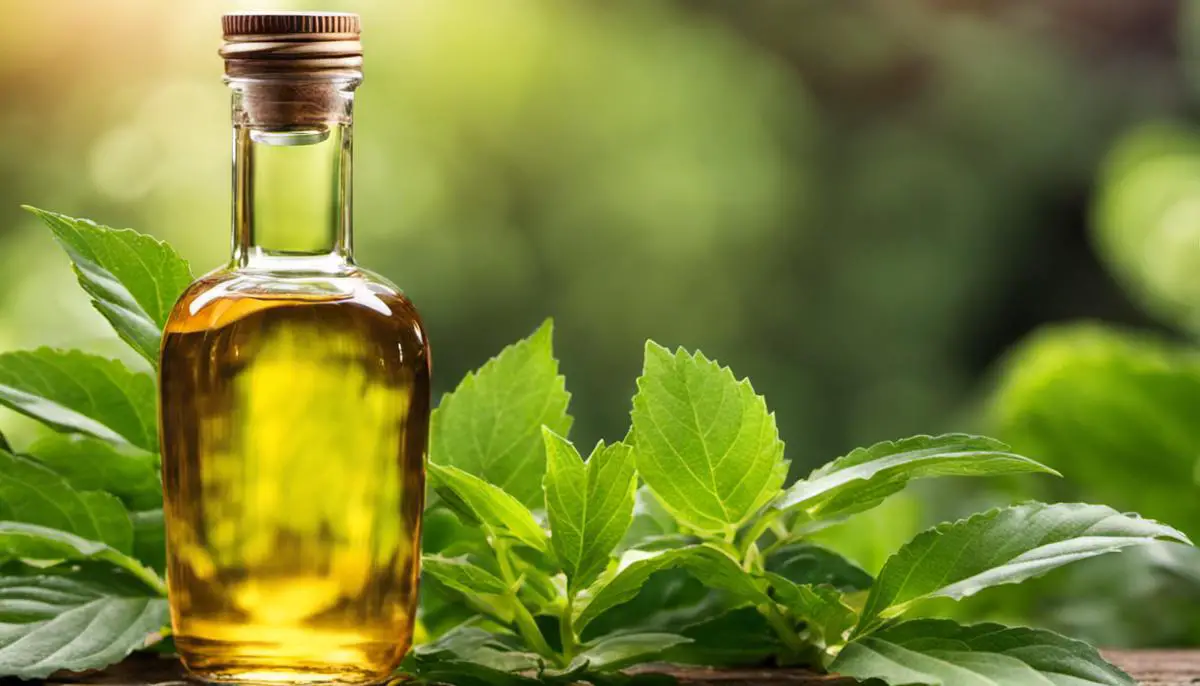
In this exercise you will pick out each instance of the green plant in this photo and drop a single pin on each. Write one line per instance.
(1117, 406)
(541, 566)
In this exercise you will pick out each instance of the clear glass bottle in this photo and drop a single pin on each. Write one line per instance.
(294, 395)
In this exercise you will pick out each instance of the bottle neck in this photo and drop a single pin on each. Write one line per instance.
(292, 175)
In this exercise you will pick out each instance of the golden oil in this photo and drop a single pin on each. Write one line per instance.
(293, 473)
(294, 396)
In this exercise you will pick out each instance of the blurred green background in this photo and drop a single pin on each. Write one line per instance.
(892, 216)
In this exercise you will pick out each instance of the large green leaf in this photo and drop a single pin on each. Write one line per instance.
(479, 501)
(805, 563)
(705, 443)
(1110, 408)
(470, 656)
(133, 279)
(33, 494)
(939, 652)
(91, 464)
(76, 392)
(491, 425)
(1002, 546)
(589, 506)
(462, 575)
(741, 636)
(617, 652)
(711, 566)
(150, 539)
(36, 543)
(51, 622)
(866, 476)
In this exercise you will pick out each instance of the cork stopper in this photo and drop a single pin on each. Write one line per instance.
(293, 68)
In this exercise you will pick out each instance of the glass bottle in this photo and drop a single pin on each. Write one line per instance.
(294, 395)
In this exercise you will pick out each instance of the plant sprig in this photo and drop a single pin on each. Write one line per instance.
(542, 566)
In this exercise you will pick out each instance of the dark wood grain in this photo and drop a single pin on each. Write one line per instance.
(1150, 668)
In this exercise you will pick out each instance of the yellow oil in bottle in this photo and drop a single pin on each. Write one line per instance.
(294, 418)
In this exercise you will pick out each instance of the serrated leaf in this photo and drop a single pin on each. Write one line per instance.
(941, 652)
(91, 464)
(133, 279)
(617, 652)
(711, 566)
(75, 392)
(462, 575)
(806, 563)
(826, 616)
(705, 443)
(54, 622)
(36, 543)
(1002, 546)
(31, 493)
(483, 502)
(589, 506)
(491, 425)
(865, 477)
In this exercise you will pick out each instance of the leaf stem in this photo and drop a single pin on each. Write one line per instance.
(526, 626)
(785, 631)
(147, 576)
(757, 530)
(776, 545)
(566, 629)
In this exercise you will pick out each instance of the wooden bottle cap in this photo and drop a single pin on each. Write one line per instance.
(296, 44)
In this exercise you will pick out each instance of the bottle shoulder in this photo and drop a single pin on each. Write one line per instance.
(226, 295)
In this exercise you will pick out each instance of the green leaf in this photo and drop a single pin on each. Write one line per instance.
(4, 445)
(738, 637)
(589, 506)
(617, 652)
(826, 617)
(470, 656)
(805, 563)
(1002, 546)
(941, 652)
(651, 521)
(668, 602)
(35, 543)
(133, 279)
(1110, 408)
(90, 464)
(491, 425)
(462, 575)
(31, 493)
(150, 539)
(865, 477)
(711, 566)
(705, 443)
(76, 392)
(480, 501)
(54, 622)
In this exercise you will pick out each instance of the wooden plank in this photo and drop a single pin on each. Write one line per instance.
(1150, 668)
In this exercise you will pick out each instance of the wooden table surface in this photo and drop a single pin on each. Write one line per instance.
(1150, 668)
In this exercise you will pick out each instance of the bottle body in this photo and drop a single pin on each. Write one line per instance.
(294, 417)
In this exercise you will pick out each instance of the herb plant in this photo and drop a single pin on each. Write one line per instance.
(679, 543)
